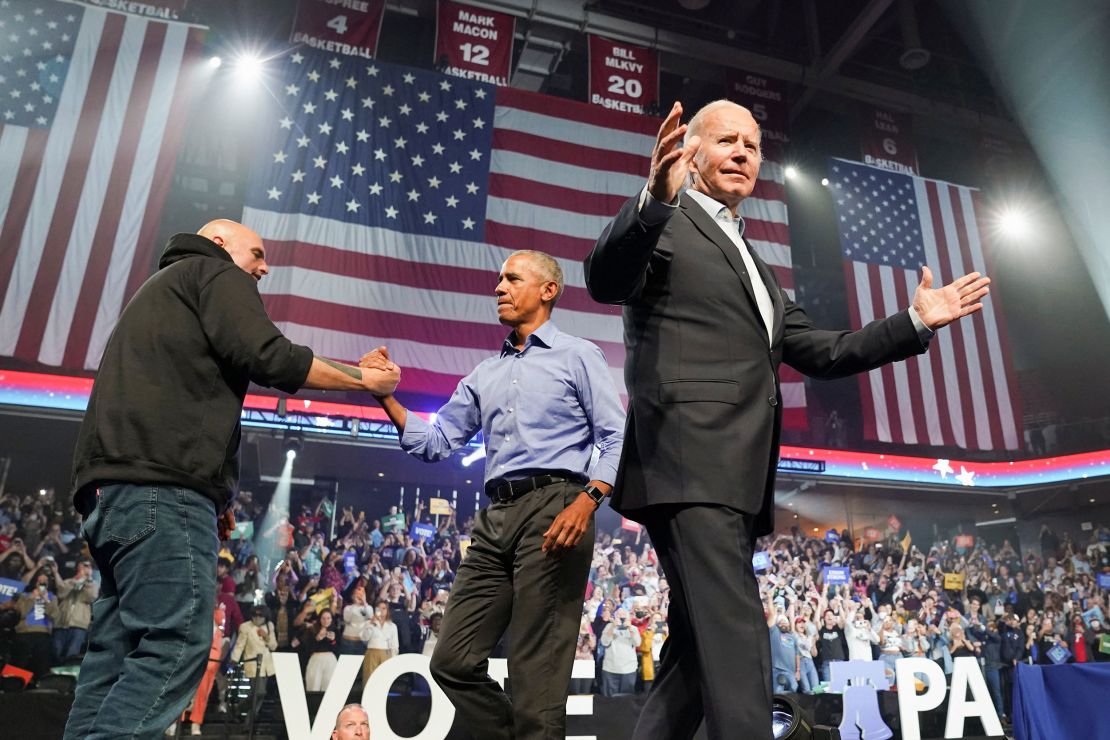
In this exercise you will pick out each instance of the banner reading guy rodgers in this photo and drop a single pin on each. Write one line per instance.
(765, 97)
(474, 43)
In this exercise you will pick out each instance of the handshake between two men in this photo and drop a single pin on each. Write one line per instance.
(380, 374)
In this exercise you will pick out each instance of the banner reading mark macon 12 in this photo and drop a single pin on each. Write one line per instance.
(623, 76)
(474, 43)
(351, 28)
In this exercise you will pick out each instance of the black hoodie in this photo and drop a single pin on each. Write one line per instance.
(167, 399)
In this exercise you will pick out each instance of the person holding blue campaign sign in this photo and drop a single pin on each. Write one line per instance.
(543, 404)
(423, 531)
(836, 576)
(38, 611)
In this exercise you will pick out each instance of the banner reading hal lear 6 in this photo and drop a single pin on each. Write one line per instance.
(886, 139)
(623, 76)
(474, 43)
(347, 27)
(765, 97)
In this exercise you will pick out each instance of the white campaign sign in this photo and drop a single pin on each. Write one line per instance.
(294, 706)
(375, 694)
(965, 675)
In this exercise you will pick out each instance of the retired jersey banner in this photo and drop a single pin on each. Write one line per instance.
(348, 27)
(166, 10)
(886, 140)
(765, 97)
(623, 76)
(474, 43)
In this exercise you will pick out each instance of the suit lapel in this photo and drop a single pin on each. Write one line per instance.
(714, 233)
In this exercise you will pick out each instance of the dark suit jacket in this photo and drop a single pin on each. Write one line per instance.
(704, 409)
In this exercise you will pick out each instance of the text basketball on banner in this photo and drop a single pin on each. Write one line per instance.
(350, 28)
(474, 43)
(623, 76)
(166, 10)
(886, 140)
(765, 97)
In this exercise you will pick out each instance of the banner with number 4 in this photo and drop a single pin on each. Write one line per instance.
(351, 29)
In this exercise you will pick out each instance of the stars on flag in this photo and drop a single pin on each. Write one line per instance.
(877, 216)
(36, 48)
(372, 143)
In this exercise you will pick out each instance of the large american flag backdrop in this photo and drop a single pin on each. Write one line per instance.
(389, 197)
(92, 105)
(962, 391)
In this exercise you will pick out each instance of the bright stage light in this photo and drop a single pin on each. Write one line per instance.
(248, 67)
(825, 182)
(214, 62)
(790, 172)
(470, 459)
(292, 445)
(1014, 222)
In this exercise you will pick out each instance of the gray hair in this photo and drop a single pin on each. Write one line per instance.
(693, 128)
(546, 267)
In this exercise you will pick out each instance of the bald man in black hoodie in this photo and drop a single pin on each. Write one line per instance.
(157, 463)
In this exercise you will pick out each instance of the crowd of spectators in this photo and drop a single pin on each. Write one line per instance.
(960, 598)
(325, 582)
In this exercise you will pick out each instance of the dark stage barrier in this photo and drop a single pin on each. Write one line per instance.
(35, 715)
(1061, 701)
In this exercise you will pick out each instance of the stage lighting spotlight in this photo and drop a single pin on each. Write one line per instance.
(1014, 222)
(292, 445)
(473, 457)
(824, 182)
(788, 719)
(214, 62)
(248, 67)
(790, 172)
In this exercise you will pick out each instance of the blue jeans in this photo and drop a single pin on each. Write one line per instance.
(809, 675)
(994, 685)
(783, 681)
(152, 625)
(891, 659)
(615, 684)
(68, 641)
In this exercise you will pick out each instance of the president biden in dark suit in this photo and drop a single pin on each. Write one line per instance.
(706, 327)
